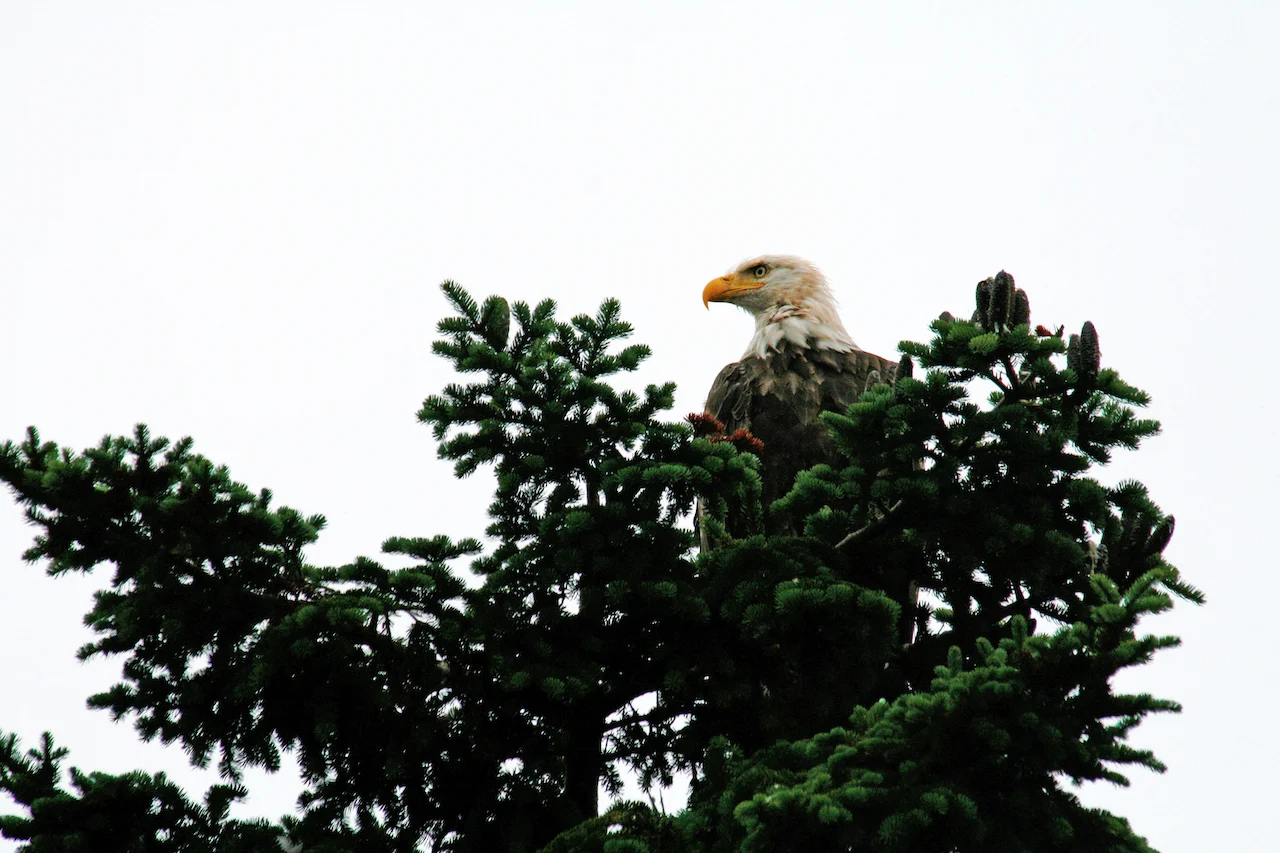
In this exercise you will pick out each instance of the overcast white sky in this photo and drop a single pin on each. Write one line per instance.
(229, 221)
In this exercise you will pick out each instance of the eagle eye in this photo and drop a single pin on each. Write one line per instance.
(760, 270)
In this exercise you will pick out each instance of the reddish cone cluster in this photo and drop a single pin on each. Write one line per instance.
(706, 426)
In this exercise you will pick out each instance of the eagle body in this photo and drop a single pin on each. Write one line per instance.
(800, 362)
(778, 398)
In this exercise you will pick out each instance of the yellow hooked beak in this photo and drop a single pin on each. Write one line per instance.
(725, 287)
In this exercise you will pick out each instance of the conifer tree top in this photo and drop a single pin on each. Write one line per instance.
(478, 699)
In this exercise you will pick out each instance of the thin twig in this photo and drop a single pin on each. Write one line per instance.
(1015, 383)
(870, 527)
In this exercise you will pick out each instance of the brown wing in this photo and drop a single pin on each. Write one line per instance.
(778, 399)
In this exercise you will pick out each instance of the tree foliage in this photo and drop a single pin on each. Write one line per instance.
(480, 708)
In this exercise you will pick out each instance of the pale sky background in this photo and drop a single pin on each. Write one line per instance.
(230, 220)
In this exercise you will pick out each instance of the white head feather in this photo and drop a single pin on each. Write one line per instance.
(790, 300)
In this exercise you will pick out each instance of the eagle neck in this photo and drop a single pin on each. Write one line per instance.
(799, 327)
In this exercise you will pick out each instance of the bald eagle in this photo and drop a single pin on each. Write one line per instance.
(800, 362)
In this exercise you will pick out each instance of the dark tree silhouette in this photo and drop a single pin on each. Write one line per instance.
(444, 708)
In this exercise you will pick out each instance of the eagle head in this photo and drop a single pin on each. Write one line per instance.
(789, 299)
(767, 282)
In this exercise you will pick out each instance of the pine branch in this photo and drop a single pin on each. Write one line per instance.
(871, 528)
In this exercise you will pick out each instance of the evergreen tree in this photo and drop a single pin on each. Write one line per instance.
(440, 708)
